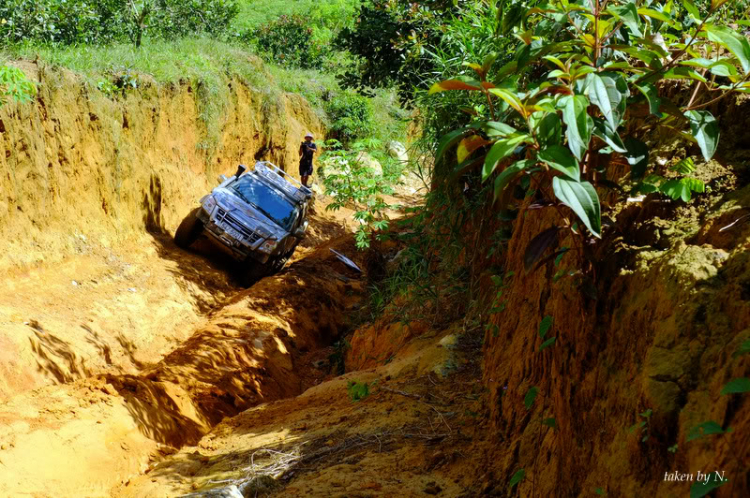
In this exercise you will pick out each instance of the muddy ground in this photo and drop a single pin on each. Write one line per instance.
(213, 386)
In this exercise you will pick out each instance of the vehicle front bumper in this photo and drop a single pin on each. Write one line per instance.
(228, 243)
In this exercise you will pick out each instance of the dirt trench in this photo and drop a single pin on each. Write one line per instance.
(91, 189)
(116, 347)
(83, 437)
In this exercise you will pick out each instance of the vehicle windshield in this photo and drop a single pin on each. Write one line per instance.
(267, 200)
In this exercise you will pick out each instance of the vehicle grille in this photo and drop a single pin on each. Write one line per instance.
(223, 217)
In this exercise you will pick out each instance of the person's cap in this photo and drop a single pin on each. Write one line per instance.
(309, 135)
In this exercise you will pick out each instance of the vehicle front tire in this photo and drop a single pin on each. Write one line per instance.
(189, 230)
(279, 263)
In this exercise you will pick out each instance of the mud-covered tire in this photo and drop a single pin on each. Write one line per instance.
(278, 264)
(189, 230)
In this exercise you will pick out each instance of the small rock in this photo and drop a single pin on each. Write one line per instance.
(131, 289)
(75, 284)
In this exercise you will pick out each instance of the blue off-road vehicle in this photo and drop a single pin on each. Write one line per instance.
(258, 217)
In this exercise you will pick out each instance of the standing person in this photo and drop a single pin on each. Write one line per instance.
(306, 151)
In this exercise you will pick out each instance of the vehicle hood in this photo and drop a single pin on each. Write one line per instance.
(247, 214)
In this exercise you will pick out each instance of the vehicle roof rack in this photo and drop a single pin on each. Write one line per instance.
(286, 182)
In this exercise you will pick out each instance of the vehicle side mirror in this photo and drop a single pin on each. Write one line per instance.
(222, 178)
(300, 232)
(240, 169)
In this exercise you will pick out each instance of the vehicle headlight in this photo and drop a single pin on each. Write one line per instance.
(209, 203)
(268, 246)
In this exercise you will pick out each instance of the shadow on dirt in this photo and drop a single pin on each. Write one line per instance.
(246, 355)
(203, 267)
(56, 357)
(155, 411)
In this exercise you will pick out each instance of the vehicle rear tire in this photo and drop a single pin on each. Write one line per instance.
(189, 230)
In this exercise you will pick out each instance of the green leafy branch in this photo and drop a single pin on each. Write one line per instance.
(352, 183)
(14, 85)
(557, 115)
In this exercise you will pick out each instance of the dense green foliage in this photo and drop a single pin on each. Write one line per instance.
(75, 22)
(321, 15)
(289, 41)
(294, 34)
(202, 41)
(351, 116)
(351, 180)
(557, 114)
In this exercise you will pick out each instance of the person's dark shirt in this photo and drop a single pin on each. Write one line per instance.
(308, 150)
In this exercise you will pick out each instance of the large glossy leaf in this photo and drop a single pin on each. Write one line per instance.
(511, 17)
(701, 489)
(581, 197)
(652, 95)
(448, 140)
(611, 137)
(511, 98)
(732, 41)
(446, 85)
(538, 245)
(736, 386)
(637, 157)
(548, 128)
(497, 129)
(579, 124)
(720, 67)
(502, 149)
(654, 14)
(560, 159)
(508, 174)
(609, 93)
(468, 145)
(692, 9)
(628, 14)
(705, 129)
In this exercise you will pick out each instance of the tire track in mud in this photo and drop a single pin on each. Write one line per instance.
(84, 438)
